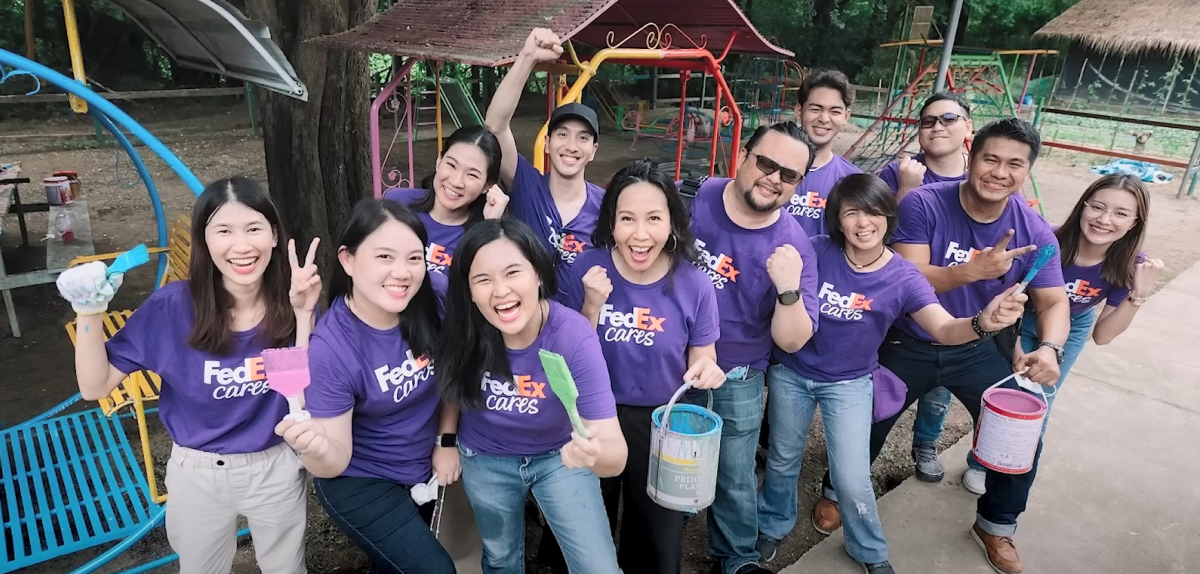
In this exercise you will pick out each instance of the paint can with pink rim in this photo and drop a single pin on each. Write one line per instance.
(1010, 427)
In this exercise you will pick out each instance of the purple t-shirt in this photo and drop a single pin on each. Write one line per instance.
(808, 204)
(857, 309)
(522, 416)
(933, 215)
(735, 260)
(214, 404)
(532, 203)
(392, 392)
(645, 330)
(442, 238)
(1086, 286)
(891, 174)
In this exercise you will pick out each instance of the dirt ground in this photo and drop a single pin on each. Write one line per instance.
(36, 370)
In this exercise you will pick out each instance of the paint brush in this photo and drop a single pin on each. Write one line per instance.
(128, 260)
(563, 386)
(1043, 256)
(287, 374)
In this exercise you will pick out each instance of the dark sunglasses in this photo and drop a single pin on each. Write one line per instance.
(768, 167)
(946, 119)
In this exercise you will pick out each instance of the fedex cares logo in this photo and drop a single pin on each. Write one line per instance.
(956, 255)
(403, 380)
(809, 204)
(437, 258)
(569, 247)
(849, 306)
(228, 383)
(718, 267)
(638, 326)
(1081, 291)
(522, 394)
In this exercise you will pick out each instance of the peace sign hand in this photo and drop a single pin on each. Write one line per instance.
(306, 282)
(995, 261)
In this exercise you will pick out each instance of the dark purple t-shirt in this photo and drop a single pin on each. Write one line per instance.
(735, 260)
(532, 202)
(522, 416)
(857, 309)
(217, 404)
(933, 215)
(808, 204)
(1086, 286)
(646, 330)
(443, 239)
(891, 174)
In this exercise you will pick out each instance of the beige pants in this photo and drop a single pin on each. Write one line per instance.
(207, 493)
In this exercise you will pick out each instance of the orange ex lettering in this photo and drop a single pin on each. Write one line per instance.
(437, 255)
(647, 322)
(569, 243)
(526, 387)
(725, 268)
(860, 302)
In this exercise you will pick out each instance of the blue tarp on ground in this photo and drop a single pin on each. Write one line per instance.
(1149, 172)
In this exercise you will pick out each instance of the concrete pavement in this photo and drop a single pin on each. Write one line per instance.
(1118, 489)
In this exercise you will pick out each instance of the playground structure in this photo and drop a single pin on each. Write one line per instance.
(496, 42)
(982, 77)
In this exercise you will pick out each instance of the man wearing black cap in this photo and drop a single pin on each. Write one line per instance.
(560, 205)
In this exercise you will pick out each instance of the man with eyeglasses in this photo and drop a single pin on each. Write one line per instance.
(943, 126)
(972, 240)
(764, 268)
(943, 129)
(823, 110)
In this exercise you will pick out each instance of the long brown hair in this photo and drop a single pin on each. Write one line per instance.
(211, 303)
(1121, 256)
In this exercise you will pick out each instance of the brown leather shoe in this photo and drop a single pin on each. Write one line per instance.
(826, 517)
(1000, 551)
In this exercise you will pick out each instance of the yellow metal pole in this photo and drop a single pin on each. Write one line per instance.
(586, 71)
(77, 104)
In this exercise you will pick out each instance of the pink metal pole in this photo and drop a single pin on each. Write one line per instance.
(1028, 76)
(384, 94)
(412, 134)
(683, 80)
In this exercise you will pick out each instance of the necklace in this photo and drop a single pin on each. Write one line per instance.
(865, 265)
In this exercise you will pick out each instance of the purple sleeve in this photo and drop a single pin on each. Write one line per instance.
(913, 227)
(1051, 275)
(144, 338)
(406, 195)
(331, 392)
(891, 176)
(808, 278)
(590, 372)
(920, 293)
(707, 327)
(1118, 295)
(527, 180)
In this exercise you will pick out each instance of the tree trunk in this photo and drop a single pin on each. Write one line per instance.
(317, 152)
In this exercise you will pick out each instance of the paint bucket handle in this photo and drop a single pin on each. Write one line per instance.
(666, 418)
(1028, 385)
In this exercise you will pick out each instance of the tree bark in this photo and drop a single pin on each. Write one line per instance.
(317, 152)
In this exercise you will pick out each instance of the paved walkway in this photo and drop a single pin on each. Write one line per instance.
(1118, 490)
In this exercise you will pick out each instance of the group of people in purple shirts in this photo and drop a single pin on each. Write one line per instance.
(833, 289)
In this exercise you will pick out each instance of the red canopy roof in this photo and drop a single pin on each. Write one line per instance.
(492, 32)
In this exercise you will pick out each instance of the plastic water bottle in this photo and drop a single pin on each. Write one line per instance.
(64, 224)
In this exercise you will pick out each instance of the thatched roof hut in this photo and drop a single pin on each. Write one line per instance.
(1130, 26)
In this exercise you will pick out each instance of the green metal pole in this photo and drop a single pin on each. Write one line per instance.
(252, 103)
(1007, 93)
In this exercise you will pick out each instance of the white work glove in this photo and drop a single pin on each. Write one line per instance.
(88, 288)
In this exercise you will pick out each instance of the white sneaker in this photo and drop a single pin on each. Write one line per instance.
(975, 481)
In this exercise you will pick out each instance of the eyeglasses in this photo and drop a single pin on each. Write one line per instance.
(946, 119)
(1096, 209)
(768, 167)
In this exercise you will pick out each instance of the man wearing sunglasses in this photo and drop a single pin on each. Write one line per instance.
(943, 129)
(764, 270)
(973, 240)
(943, 126)
(823, 110)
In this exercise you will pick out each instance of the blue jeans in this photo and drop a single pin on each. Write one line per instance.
(1081, 330)
(931, 416)
(569, 498)
(380, 517)
(967, 370)
(733, 517)
(846, 416)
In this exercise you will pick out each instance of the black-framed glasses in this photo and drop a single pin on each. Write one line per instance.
(946, 119)
(768, 166)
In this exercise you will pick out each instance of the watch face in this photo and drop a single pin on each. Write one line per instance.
(789, 297)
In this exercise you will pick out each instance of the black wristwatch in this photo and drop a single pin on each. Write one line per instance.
(447, 440)
(1058, 350)
(788, 297)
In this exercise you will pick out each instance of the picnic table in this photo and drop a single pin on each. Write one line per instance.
(58, 253)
